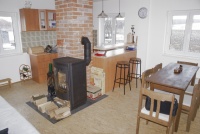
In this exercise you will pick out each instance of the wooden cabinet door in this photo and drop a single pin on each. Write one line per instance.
(29, 19)
(51, 20)
(42, 19)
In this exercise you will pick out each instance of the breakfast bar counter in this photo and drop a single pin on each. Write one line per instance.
(108, 63)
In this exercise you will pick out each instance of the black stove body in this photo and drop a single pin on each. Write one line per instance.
(70, 77)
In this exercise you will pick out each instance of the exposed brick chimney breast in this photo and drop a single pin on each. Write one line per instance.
(74, 19)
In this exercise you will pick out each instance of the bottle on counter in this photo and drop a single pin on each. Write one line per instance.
(133, 41)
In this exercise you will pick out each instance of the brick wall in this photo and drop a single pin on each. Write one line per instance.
(74, 19)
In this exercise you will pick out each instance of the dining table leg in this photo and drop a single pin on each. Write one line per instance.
(193, 80)
(178, 114)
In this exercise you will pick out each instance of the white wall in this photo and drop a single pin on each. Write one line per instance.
(10, 64)
(129, 7)
(143, 34)
(151, 30)
(158, 22)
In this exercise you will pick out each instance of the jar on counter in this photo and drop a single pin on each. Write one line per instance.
(130, 38)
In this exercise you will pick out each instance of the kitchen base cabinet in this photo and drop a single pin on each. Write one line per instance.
(40, 65)
(108, 64)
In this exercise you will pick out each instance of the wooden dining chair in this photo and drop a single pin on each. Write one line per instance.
(198, 101)
(197, 104)
(189, 90)
(157, 68)
(147, 73)
(190, 104)
(192, 64)
(155, 116)
(187, 63)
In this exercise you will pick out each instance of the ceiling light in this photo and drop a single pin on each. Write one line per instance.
(102, 14)
(119, 15)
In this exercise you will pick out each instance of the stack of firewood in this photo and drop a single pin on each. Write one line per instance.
(56, 109)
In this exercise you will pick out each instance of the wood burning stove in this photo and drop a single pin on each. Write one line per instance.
(70, 76)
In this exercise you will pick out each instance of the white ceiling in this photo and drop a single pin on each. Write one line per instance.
(99, 0)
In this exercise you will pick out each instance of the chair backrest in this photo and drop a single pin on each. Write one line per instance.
(157, 67)
(195, 102)
(196, 93)
(147, 73)
(198, 84)
(187, 63)
(154, 116)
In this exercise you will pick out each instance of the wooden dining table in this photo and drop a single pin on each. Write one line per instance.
(176, 83)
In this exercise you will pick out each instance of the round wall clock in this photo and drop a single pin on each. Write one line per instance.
(142, 13)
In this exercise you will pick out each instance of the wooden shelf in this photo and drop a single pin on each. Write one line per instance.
(25, 72)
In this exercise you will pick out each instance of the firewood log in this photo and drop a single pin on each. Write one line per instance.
(43, 106)
(50, 107)
(62, 110)
(40, 101)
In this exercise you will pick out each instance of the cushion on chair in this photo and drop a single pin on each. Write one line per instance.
(161, 116)
(164, 106)
(161, 91)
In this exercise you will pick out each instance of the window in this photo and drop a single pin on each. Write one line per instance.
(183, 33)
(9, 34)
(111, 30)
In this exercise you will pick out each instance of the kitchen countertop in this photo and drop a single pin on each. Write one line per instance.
(113, 47)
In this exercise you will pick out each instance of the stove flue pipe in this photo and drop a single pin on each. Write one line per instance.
(87, 49)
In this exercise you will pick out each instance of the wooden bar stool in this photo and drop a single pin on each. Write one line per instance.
(125, 67)
(134, 73)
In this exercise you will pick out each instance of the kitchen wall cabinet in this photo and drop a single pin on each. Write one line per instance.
(29, 19)
(47, 20)
(37, 19)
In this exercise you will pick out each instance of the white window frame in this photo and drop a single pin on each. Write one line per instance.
(101, 35)
(15, 24)
(189, 20)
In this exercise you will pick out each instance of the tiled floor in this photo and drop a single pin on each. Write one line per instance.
(115, 114)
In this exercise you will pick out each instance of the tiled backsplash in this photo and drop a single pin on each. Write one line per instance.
(38, 38)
